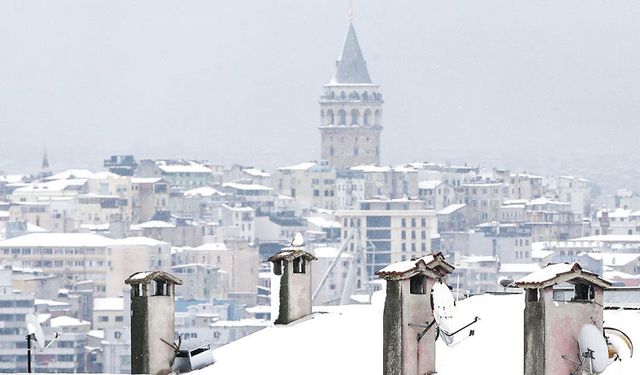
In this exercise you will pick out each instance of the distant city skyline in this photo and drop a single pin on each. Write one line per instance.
(467, 81)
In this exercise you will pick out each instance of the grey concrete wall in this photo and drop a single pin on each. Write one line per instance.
(419, 358)
(534, 328)
(295, 294)
(392, 330)
(403, 354)
(152, 318)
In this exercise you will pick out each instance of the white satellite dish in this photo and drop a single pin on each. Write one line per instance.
(619, 344)
(35, 331)
(593, 348)
(445, 314)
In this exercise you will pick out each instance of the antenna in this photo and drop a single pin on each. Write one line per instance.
(350, 11)
(35, 333)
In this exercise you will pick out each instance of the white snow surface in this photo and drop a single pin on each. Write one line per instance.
(348, 339)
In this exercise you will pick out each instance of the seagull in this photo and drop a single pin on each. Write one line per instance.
(297, 240)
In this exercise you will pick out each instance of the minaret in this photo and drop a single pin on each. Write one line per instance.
(351, 111)
(45, 170)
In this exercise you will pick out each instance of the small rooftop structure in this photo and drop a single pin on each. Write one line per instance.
(145, 277)
(559, 273)
(408, 268)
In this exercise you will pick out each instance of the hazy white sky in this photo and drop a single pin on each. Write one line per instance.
(239, 81)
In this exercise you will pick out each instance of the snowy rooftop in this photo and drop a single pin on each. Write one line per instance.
(558, 273)
(451, 209)
(323, 223)
(519, 267)
(614, 259)
(67, 321)
(153, 224)
(299, 167)
(348, 339)
(371, 168)
(58, 240)
(108, 304)
(204, 191)
(211, 246)
(429, 184)
(182, 167)
(611, 238)
(56, 185)
(238, 186)
(255, 172)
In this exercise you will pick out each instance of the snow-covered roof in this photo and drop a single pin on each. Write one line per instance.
(58, 240)
(55, 185)
(450, 209)
(108, 304)
(323, 223)
(255, 172)
(519, 267)
(211, 246)
(559, 273)
(205, 191)
(299, 167)
(145, 180)
(428, 184)
(153, 224)
(371, 168)
(97, 333)
(615, 259)
(67, 321)
(148, 276)
(239, 186)
(348, 340)
(540, 253)
(407, 268)
(612, 275)
(610, 238)
(617, 213)
(182, 167)
(139, 241)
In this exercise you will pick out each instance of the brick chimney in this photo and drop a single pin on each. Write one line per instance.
(553, 318)
(152, 321)
(293, 265)
(409, 331)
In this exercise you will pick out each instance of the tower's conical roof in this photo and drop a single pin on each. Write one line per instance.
(351, 67)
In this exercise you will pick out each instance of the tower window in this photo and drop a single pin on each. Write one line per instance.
(330, 117)
(331, 151)
(355, 117)
(299, 265)
(365, 116)
(365, 96)
(343, 95)
(355, 151)
(342, 117)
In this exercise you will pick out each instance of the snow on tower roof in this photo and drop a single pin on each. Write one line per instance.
(351, 68)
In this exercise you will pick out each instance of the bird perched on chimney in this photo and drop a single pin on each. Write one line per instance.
(298, 241)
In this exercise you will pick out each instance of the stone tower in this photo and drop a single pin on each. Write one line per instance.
(351, 111)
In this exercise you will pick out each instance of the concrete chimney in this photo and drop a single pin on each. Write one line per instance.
(152, 321)
(553, 318)
(293, 265)
(409, 330)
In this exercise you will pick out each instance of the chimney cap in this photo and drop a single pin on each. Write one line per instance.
(145, 277)
(433, 265)
(558, 273)
(291, 253)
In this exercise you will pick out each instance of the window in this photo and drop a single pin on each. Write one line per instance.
(417, 284)
(299, 265)
(277, 267)
(342, 117)
(355, 117)
(103, 318)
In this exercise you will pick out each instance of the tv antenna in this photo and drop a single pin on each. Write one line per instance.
(35, 333)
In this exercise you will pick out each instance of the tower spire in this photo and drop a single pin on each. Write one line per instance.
(351, 66)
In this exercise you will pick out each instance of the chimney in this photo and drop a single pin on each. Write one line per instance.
(550, 328)
(152, 321)
(409, 329)
(293, 265)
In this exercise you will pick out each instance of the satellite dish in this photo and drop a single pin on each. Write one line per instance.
(619, 344)
(505, 282)
(444, 311)
(593, 348)
(35, 330)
